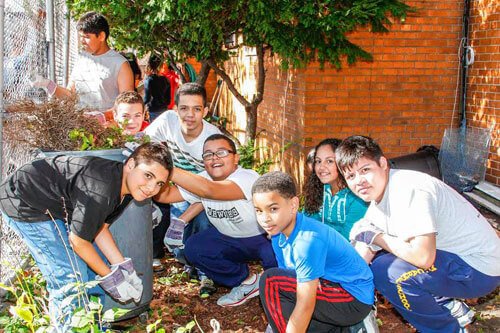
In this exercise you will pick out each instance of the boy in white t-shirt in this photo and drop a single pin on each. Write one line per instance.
(224, 189)
(184, 131)
(435, 245)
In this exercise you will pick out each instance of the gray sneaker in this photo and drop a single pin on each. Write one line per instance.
(460, 311)
(241, 293)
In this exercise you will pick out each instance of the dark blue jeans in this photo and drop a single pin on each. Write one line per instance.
(223, 258)
(415, 292)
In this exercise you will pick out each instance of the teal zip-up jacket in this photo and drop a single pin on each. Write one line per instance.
(340, 211)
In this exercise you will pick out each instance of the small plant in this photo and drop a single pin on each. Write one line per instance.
(179, 311)
(248, 159)
(189, 326)
(30, 302)
(153, 327)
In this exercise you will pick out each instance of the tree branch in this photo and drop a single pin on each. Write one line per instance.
(229, 82)
(204, 72)
(261, 75)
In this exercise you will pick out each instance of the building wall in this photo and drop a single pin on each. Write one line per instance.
(483, 85)
(404, 99)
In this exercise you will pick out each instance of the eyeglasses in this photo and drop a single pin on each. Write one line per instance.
(219, 153)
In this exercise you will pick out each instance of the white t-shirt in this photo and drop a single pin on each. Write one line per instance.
(96, 79)
(234, 218)
(186, 155)
(415, 204)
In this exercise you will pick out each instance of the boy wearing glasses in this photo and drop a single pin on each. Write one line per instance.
(184, 131)
(224, 189)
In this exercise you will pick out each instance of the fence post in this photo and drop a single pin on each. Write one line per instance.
(49, 4)
(67, 41)
(2, 21)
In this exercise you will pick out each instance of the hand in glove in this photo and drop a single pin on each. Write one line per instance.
(41, 82)
(127, 268)
(175, 233)
(116, 286)
(365, 232)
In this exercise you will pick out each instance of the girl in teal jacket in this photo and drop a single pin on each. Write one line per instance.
(327, 197)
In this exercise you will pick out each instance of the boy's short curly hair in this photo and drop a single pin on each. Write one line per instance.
(355, 147)
(128, 97)
(190, 89)
(276, 181)
(93, 23)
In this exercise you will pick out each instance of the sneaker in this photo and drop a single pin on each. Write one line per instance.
(269, 329)
(157, 266)
(460, 311)
(207, 287)
(241, 293)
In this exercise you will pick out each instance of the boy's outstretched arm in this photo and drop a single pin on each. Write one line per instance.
(88, 253)
(192, 211)
(419, 251)
(106, 243)
(304, 308)
(169, 194)
(205, 188)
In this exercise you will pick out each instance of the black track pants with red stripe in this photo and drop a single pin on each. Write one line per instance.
(335, 308)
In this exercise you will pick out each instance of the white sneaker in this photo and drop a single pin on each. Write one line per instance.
(241, 293)
(460, 311)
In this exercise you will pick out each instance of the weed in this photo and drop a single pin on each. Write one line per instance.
(189, 326)
(179, 311)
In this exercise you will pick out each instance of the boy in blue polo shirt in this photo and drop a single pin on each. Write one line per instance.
(321, 283)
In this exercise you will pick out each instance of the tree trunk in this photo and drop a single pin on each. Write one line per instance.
(251, 129)
(203, 74)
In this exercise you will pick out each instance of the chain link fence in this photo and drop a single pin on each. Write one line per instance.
(26, 54)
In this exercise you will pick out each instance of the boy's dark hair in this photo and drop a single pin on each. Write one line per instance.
(153, 152)
(153, 63)
(355, 147)
(191, 88)
(128, 97)
(217, 136)
(313, 188)
(276, 181)
(93, 23)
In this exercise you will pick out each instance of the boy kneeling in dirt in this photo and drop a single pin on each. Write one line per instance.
(64, 205)
(224, 190)
(435, 245)
(321, 283)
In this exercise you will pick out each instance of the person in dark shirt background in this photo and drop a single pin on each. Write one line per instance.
(156, 89)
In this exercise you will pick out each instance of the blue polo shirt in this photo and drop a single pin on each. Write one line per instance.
(315, 250)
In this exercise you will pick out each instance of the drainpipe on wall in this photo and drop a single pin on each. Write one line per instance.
(465, 67)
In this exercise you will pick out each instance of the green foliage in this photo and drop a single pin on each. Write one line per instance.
(189, 326)
(298, 31)
(249, 159)
(153, 327)
(27, 294)
(113, 138)
(27, 314)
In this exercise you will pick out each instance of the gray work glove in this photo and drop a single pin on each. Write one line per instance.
(175, 234)
(116, 286)
(127, 268)
(365, 232)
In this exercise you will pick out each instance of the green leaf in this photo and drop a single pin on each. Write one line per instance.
(81, 319)
(114, 313)
(24, 313)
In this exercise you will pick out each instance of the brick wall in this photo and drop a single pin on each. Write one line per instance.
(483, 95)
(404, 98)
